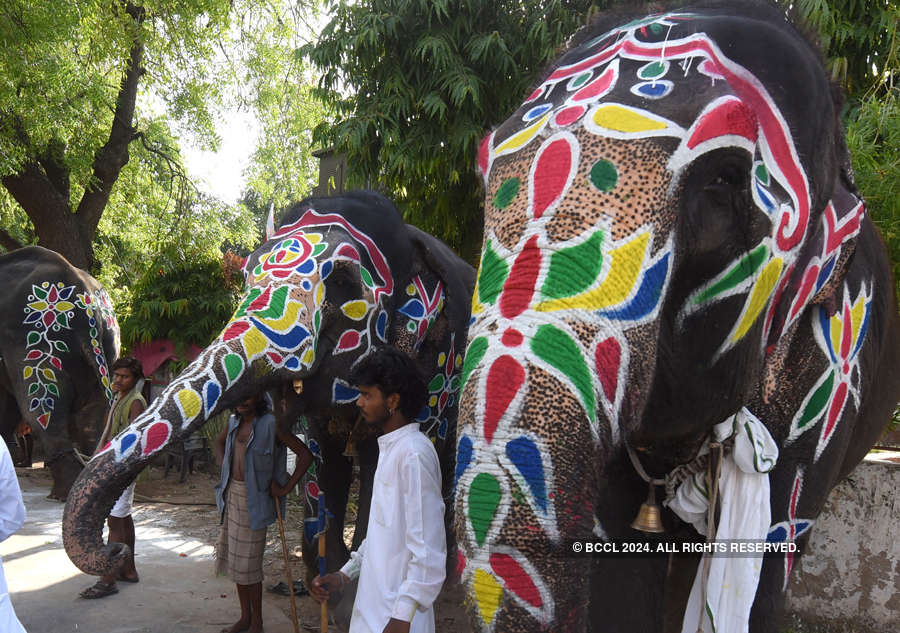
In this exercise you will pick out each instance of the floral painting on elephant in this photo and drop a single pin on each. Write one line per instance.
(668, 255)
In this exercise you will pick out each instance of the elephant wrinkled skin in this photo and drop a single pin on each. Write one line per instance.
(672, 237)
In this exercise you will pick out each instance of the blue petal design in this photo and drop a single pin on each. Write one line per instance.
(825, 324)
(32, 317)
(777, 534)
(653, 89)
(211, 394)
(289, 341)
(293, 363)
(647, 297)
(127, 442)
(413, 308)
(862, 330)
(536, 111)
(34, 404)
(463, 457)
(381, 325)
(65, 293)
(442, 429)
(342, 393)
(825, 273)
(314, 448)
(307, 266)
(525, 456)
(327, 267)
(423, 414)
(766, 198)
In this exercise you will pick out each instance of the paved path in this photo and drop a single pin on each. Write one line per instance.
(177, 593)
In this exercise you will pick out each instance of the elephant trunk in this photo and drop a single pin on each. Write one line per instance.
(90, 499)
(530, 442)
(218, 378)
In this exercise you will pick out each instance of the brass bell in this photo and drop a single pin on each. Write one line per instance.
(298, 386)
(350, 448)
(649, 517)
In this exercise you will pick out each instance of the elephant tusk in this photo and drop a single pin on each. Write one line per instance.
(298, 386)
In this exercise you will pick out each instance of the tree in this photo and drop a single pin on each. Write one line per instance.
(859, 38)
(71, 76)
(416, 84)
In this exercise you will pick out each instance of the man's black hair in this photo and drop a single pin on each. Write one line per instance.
(131, 364)
(392, 371)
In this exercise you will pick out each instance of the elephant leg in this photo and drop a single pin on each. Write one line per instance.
(368, 462)
(679, 580)
(9, 417)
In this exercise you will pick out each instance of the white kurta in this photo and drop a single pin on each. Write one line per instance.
(401, 564)
(12, 516)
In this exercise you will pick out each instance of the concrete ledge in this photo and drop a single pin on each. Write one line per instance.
(849, 582)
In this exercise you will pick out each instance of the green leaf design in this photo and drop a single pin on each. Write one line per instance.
(51, 388)
(366, 277)
(234, 365)
(474, 354)
(494, 272)
(574, 269)
(742, 270)
(817, 403)
(484, 497)
(557, 348)
(276, 304)
(33, 339)
(39, 292)
(32, 388)
(61, 346)
(250, 298)
(506, 192)
(436, 384)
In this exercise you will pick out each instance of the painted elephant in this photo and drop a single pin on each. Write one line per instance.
(59, 335)
(673, 241)
(339, 276)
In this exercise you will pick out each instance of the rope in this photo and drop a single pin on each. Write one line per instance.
(713, 471)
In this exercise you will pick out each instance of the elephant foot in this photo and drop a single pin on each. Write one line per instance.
(238, 627)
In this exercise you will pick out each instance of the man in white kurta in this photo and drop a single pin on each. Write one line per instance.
(12, 516)
(401, 564)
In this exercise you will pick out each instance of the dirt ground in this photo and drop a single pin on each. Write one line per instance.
(189, 509)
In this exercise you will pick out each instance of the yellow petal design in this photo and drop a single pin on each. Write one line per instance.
(308, 357)
(520, 139)
(487, 593)
(759, 296)
(320, 293)
(285, 321)
(857, 313)
(313, 238)
(836, 333)
(356, 310)
(26, 373)
(625, 266)
(64, 306)
(254, 342)
(621, 119)
(190, 403)
(40, 306)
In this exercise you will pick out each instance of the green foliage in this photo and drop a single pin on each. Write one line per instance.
(873, 137)
(859, 39)
(416, 84)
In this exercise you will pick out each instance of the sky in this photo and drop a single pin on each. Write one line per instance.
(221, 173)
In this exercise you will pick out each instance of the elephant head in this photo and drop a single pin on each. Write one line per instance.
(60, 334)
(339, 276)
(670, 229)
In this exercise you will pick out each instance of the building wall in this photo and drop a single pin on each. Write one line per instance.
(850, 580)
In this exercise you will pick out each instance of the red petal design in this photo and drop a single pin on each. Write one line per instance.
(505, 378)
(534, 95)
(460, 563)
(312, 489)
(846, 331)
(484, 154)
(55, 362)
(834, 411)
(349, 340)
(49, 318)
(732, 117)
(553, 168)
(519, 286)
(44, 420)
(512, 337)
(569, 115)
(806, 286)
(517, 580)
(348, 251)
(235, 330)
(155, 436)
(607, 357)
(52, 297)
(33, 355)
(600, 86)
(261, 301)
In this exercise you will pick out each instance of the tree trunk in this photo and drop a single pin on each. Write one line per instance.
(42, 185)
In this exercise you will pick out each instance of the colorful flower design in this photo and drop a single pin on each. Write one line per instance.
(422, 308)
(50, 309)
(840, 337)
(790, 530)
(442, 393)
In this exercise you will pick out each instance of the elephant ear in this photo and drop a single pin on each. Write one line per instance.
(457, 276)
(817, 275)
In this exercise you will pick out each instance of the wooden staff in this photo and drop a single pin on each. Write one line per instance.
(322, 565)
(287, 566)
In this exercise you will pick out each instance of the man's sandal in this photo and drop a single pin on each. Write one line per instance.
(99, 590)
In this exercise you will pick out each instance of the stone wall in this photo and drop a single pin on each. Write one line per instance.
(852, 582)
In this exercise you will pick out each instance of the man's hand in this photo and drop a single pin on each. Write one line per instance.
(278, 490)
(322, 586)
(396, 626)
